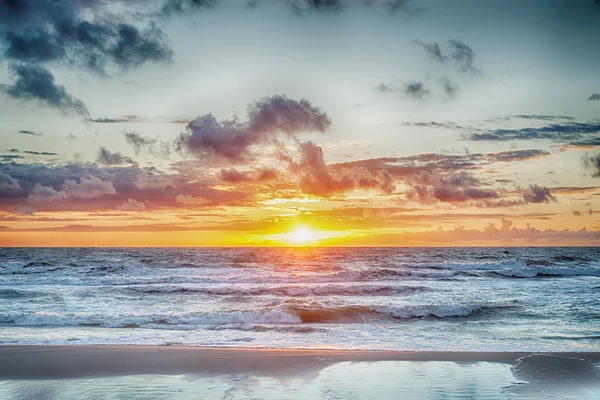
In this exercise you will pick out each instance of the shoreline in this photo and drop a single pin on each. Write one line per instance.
(29, 362)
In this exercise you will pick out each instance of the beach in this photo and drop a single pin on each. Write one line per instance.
(324, 323)
(165, 372)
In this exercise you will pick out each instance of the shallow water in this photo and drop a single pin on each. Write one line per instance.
(500, 299)
(383, 380)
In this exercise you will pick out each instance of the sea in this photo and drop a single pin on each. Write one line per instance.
(415, 299)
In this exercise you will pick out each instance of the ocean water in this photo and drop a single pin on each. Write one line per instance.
(447, 299)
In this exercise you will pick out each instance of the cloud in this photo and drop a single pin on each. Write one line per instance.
(232, 175)
(191, 200)
(315, 176)
(24, 132)
(558, 132)
(43, 194)
(463, 56)
(433, 50)
(186, 6)
(517, 155)
(106, 157)
(8, 183)
(114, 186)
(88, 187)
(434, 124)
(132, 205)
(414, 89)
(77, 32)
(153, 146)
(149, 181)
(592, 161)
(268, 119)
(10, 157)
(385, 88)
(431, 187)
(37, 83)
(459, 53)
(539, 117)
(449, 87)
(419, 90)
(538, 194)
(39, 153)
(124, 119)
(317, 179)
(594, 97)
(302, 6)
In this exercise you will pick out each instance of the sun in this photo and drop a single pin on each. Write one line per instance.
(302, 235)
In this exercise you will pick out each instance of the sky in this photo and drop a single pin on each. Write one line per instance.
(299, 122)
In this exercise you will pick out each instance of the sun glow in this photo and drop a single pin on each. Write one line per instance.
(302, 235)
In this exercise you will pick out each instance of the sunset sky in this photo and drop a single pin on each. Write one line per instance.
(299, 122)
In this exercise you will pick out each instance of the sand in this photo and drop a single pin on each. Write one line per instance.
(131, 372)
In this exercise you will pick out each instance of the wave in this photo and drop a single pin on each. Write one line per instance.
(575, 338)
(533, 272)
(18, 294)
(283, 315)
(287, 291)
(521, 268)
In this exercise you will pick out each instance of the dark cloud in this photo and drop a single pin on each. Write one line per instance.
(433, 50)
(138, 142)
(459, 53)
(34, 82)
(39, 153)
(88, 186)
(8, 183)
(537, 194)
(186, 6)
(398, 5)
(152, 146)
(517, 155)
(406, 167)
(570, 131)
(594, 97)
(434, 124)
(385, 88)
(268, 119)
(106, 157)
(417, 90)
(592, 161)
(10, 157)
(539, 117)
(24, 132)
(302, 6)
(431, 187)
(232, 175)
(124, 119)
(77, 32)
(463, 56)
(449, 87)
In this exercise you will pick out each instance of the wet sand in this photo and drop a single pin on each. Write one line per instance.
(223, 373)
